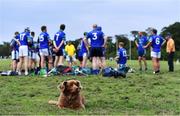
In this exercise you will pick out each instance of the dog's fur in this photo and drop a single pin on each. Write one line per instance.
(70, 96)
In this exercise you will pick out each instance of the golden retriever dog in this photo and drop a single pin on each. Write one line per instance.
(70, 96)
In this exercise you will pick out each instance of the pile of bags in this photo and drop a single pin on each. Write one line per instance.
(74, 71)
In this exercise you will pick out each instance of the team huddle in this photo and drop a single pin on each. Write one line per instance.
(46, 53)
(51, 53)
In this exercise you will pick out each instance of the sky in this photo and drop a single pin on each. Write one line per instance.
(114, 16)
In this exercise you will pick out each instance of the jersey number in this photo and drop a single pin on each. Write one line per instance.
(157, 41)
(124, 53)
(22, 36)
(94, 36)
(57, 36)
(41, 38)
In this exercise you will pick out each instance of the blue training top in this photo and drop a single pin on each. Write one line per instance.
(58, 37)
(96, 37)
(122, 56)
(156, 42)
(24, 38)
(44, 40)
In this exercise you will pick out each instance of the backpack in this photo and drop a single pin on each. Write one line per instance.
(9, 73)
(108, 72)
(63, 69)
(86, 70)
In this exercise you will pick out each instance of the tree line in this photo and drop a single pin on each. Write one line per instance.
(112, 45)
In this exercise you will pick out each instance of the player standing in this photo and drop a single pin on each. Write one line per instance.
(96, 37)
(59, 45)
(140, 42)
(23, 50)
(31, 52)
(83, 51)
(102, 60)
(44, 51)
(156, 42)
(15, 51)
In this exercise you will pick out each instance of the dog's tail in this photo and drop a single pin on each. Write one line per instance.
(53, 102)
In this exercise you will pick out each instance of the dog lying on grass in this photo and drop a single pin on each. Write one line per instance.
(70, 96)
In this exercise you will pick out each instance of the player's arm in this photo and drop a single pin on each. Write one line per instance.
(136, 43)
(86, 43)
(17, 40)
(62, 42)
(105, 41)
(88, 39)
(164, 41)
(54, 43)
(149, 43)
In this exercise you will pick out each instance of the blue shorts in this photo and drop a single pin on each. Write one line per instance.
(141, 52)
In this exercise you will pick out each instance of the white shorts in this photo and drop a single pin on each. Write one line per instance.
(15, 55)
(85, 54)
(33, 55)
(70, 59)
(44, 52)
(155, 54)
(23, 51)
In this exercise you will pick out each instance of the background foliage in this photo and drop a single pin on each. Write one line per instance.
(174, 29)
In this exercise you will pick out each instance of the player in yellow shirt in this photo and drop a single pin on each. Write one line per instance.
(70, 53)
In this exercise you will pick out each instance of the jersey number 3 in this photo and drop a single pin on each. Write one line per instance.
(94, 36)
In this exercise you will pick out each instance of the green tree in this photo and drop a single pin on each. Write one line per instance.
(5, 49)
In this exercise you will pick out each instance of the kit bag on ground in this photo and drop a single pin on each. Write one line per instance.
(108, 72)
(63, 69)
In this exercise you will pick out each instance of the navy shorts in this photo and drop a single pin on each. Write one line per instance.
(60, 53)
(141, 53)
(80, 58)
(96, 52)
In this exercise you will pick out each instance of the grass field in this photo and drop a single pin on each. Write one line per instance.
(140, 93)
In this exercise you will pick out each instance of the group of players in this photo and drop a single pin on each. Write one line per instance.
(50, 53)
(92, 45)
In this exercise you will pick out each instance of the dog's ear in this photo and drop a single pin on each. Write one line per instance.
(62, 86)
(79, 84)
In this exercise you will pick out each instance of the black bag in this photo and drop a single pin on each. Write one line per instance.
(9, 73)
(63, 69)
(108, 72)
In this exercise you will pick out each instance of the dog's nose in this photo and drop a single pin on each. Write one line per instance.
(77, 89)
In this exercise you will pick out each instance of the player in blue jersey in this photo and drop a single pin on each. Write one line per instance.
(96, 37)
(44, 40)
(102, 60)
(83, 51)
(121, 56)
(15, 51)
(23, 50)
(31, 52)
(140, 42)
(156, 42)
(59, 45)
